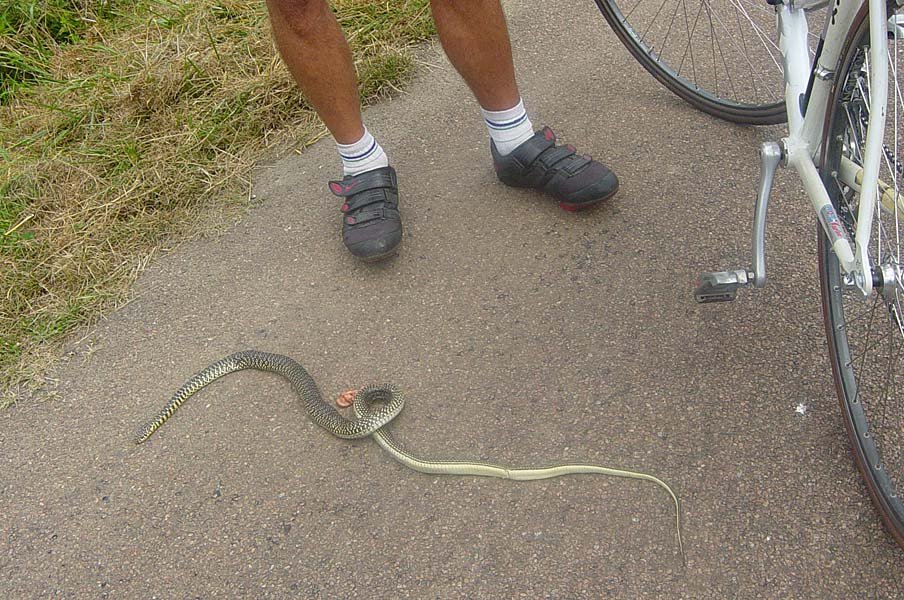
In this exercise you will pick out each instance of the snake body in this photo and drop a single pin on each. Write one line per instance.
(370, 420)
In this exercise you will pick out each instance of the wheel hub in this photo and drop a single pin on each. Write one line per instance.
(888, 280)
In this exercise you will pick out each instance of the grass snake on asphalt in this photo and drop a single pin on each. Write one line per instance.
(374, 407)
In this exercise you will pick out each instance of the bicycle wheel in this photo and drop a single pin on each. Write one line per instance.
(866, 337)
(721, 56)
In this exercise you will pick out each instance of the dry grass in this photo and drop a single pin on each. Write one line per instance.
(138, 132)
(31, 31)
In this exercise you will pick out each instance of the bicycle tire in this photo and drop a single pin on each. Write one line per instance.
(873, 417)
(746, 107)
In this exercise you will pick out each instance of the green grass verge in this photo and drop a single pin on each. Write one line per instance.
(31, 31)
(138, 126)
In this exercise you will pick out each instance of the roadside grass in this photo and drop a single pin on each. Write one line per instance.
(140, 131)
(31, 31)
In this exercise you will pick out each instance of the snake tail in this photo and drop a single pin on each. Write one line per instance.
(224, 366)
(481, 469)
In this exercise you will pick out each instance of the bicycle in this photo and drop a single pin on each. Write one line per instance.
(833, 90)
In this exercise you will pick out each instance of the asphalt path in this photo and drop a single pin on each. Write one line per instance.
(521, 334)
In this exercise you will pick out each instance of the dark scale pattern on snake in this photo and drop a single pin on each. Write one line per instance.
(370, 420)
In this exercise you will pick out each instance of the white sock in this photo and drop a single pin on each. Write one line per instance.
(364, 155)
(508, 128)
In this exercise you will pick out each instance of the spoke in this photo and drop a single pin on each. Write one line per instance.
(712, 43)
(893, 357)
(893, 67)
(728, 73)
(669, 30)
(694, 31)
(745, 52)
(633, 8)
(689, 48)
(854, 131)
(863, 314)
(753, 71)
(653, 20)
(873, 345)
(860, 81)
(768, 44)
(869, 328)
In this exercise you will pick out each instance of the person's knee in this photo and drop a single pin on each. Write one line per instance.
(301, 16)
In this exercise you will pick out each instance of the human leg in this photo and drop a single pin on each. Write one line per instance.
(315, 51)
(475, 37)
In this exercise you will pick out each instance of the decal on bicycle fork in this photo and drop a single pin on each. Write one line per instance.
(832, 225)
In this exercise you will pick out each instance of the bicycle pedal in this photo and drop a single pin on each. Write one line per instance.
(720, 286)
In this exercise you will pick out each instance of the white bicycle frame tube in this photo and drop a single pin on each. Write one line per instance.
(805, 130)
(878, 96)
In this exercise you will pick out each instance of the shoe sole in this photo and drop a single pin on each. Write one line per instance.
(569, 207)
(377, 257)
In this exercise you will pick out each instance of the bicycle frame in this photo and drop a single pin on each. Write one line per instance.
(813, 83)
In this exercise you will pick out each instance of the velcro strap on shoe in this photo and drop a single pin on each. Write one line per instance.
(363, 216)
(383, 177)
(569, 169)
(534, 147)
(576, 164)
(373, 196)
(551, 157)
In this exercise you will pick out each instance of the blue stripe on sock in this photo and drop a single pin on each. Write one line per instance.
(507, 124)
(362, 156)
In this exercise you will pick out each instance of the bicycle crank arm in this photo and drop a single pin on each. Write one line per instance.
(723, 286)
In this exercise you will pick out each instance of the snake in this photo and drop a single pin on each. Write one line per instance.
(374, 406)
